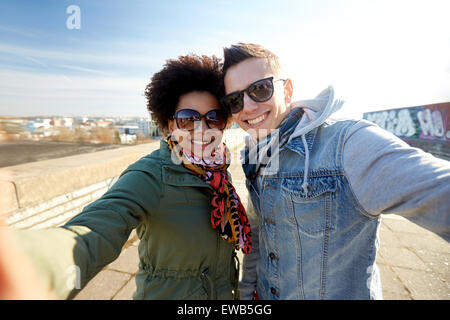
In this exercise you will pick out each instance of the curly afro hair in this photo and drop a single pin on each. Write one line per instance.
(178, 77)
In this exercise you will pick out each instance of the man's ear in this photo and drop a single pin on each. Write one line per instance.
(288, 91)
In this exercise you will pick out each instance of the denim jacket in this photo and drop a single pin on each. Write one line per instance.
(317, 238)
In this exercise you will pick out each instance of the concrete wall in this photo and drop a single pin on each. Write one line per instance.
(50, 192)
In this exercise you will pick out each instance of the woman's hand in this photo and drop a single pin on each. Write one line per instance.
(18, 279)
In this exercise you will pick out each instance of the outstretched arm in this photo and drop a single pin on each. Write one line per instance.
(388, 176)
(66, 258)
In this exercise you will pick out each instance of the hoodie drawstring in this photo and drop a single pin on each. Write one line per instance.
(305, 178)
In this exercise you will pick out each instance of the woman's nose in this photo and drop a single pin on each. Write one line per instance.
(199, 127)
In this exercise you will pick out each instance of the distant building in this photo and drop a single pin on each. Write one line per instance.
(426, 127)
(30, 126)
(43, 124)
(68, 122)
(144, 126)
(127, 138)
(56, 122)
(104, 124)
(80, 119)
(128, 129)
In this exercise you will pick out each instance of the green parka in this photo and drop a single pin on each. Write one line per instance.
(181, 256)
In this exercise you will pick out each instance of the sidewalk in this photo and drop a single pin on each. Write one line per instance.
(413, 262)
(116, 281)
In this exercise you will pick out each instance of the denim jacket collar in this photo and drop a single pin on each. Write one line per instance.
(297, 146)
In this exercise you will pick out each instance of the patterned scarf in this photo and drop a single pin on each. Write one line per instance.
(228, 214)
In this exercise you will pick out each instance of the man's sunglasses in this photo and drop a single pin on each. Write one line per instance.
(188, 119)
(258, 91)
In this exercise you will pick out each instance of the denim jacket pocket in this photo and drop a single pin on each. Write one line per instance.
(312, 211)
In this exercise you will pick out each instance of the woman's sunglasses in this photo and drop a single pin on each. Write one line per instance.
(188, 119)
(258, 91)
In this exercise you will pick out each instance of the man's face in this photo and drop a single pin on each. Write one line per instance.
(258, 118)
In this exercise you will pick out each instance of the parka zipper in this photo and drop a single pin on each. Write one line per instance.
(216, 260)
(236, 265)
(207, 281)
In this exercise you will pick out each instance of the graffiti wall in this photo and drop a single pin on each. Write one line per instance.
(431, 122)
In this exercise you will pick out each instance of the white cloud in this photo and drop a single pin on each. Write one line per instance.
(88, 70)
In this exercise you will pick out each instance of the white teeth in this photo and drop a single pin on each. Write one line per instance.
(200, 142)
(257, 120)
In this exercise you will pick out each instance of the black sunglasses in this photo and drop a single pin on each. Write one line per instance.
(258, 91)
(188, 119)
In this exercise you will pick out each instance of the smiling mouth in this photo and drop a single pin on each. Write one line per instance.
(256, 121)
(202, 143)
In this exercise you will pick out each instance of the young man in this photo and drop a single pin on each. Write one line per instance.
(319, 186)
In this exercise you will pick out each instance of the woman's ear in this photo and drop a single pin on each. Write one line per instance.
(171, 125)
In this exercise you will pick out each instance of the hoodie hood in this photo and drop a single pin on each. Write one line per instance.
(316, 111)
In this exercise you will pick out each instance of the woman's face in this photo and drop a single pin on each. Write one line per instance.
(201, 141)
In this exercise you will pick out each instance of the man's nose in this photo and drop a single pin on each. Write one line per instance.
(249, 105)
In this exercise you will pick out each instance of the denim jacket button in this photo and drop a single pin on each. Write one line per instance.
(273, 256)
(269, 221)
(274, 291)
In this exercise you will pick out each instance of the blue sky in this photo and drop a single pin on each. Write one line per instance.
(377, 54)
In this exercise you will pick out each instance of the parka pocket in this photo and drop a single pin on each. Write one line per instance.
(312, 211)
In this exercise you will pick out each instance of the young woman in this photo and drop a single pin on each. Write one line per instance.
(179, 198)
